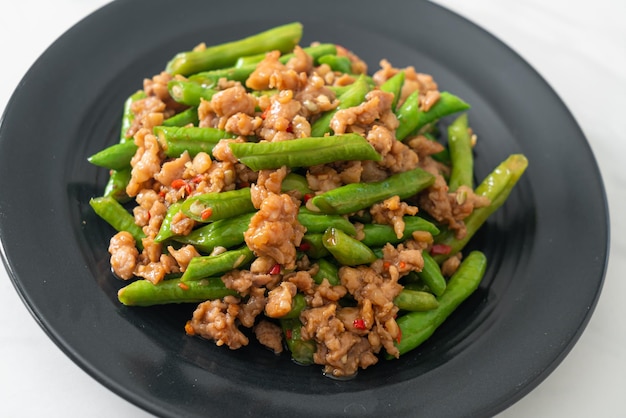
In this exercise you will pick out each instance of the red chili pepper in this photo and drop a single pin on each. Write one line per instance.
(197, 179)
(359, 323)
(440, 249)
(265, 112)
(275, 269)
(307, 197)
(386, 265)
(188, 188)
(206, 214)
(178, 183)
(183, 286)
(162, 194)
(399, 336)
(290, 128)
(288, 333)
(402, 265)
(305, 246)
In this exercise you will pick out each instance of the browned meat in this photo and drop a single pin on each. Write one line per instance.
(270, 335)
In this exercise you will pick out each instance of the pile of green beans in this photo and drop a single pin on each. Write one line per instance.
(338, 229)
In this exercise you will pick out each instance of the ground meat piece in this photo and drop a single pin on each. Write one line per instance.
(145, 163)
(183, 255)
(243, 124)
(260, 77)
(222, 151)
(279, 300)
(325, 293)
(270, 335)
(216, 320)
(181, 224)
(157, 86)
(338, 350)
(268, 181)
(428, 100)
(232, 101)
(302, 280)
(424, 146)
(301, 61)
(148, 113)
(316, 97)
(221, 176)
(253, 306)
(150, 212)
(450, 266)
(378, 288)
(279, 116)
(450, 208)
(391, 212)
(403, 258)
(124, 254)
(172, 170)
(274, 230)
(206, 116)
(400, 158)
(372, 171)
(377, 103)
(322, 178)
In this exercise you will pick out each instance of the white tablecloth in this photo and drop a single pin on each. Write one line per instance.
(580, 49)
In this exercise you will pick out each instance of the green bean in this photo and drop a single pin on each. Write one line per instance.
(347, 250)
(165, 230)
(415, 301)
(394, 85)
(296, 182)
(301, 351)
(318, 223)
(431, 275)
(298, 304)
(241, 72)
(496, 187)
(115, 157)
(417, 327)
(186, 117)
(303, 152)
(356, 196)
(189, 93)
(354, 96)
(175, 139)
(223, 233)
(116, 186)
(377, 235)
(119, 178)
(250, 60)
(128, 116)
(461, 156)
(283, 38)
(117, 216)
(211, 207)
(313, 245)
(144, 293)
(341, 64)
(412, 119)
(407, 115)
(213, 265)
(326, 270)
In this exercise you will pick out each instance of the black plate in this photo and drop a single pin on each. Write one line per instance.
(547, 247)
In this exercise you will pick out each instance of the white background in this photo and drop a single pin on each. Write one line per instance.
(578, 46)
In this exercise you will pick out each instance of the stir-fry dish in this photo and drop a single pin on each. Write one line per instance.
(299, 200)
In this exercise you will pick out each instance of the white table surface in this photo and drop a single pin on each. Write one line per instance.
(578, 46)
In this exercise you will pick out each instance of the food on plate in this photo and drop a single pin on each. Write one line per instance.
(298, 199)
